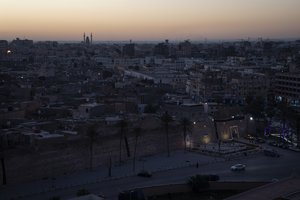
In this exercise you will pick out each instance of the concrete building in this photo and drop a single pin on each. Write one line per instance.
(3, 47)
(129, 50)
(287, 85)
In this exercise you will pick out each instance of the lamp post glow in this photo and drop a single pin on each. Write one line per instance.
(247, 123)
(188, 142)
(206, 140)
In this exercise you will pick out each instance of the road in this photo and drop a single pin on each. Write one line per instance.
(259, 168)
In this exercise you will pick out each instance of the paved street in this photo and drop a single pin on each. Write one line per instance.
(175, 169)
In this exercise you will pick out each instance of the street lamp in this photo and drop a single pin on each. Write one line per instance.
(247, 123)
(206, 140)
(188, 142)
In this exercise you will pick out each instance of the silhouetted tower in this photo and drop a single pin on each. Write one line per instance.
(83, 37)
(91, 38)
(87, 40)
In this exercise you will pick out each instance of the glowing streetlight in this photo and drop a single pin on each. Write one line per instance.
(251, 118)
(206, 139)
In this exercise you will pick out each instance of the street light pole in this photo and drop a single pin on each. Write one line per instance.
(247, 123)
(217, 135)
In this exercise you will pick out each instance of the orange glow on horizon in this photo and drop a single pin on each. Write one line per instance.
(149, 20)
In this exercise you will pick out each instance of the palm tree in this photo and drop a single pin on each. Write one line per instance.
(3, 164)
(123, 124)
(298, 130)
(137, 132)
(185, 123)
(254, 106)
(293, 118)
(166, 119)
(92, 134)
(286, 114)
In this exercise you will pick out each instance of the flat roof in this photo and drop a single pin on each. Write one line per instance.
(284, 188)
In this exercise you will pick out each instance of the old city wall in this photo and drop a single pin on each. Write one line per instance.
(50, 160)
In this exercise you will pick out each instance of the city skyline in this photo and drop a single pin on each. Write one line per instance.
(149, 20)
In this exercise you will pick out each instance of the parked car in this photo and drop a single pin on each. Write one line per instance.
(144, 173)
(238, 167)
(249, 137)
(260, 140)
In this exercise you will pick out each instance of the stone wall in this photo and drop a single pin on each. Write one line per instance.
(63, 157)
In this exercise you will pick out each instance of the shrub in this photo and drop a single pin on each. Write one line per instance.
(54, 198)
(198, 182)
(82, 192)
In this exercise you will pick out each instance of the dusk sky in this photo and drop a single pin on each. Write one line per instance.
(149, 19)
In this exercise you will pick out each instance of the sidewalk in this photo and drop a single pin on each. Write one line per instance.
(153, 164)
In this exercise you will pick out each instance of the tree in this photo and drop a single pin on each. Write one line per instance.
(288, 115)
(2, 158)
(149, 108)
(254, 106)
(283, 112)
(123, 124)
(166, 119)
(92, 134)
(55, 198)
(82, 192)
(185, 123)
(218, 99)
(198, 182)
(292, 117)
(137, 131)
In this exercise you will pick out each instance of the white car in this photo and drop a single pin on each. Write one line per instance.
(238, 167)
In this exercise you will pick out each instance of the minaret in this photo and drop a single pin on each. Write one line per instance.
(91, 38)
(87, 41)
